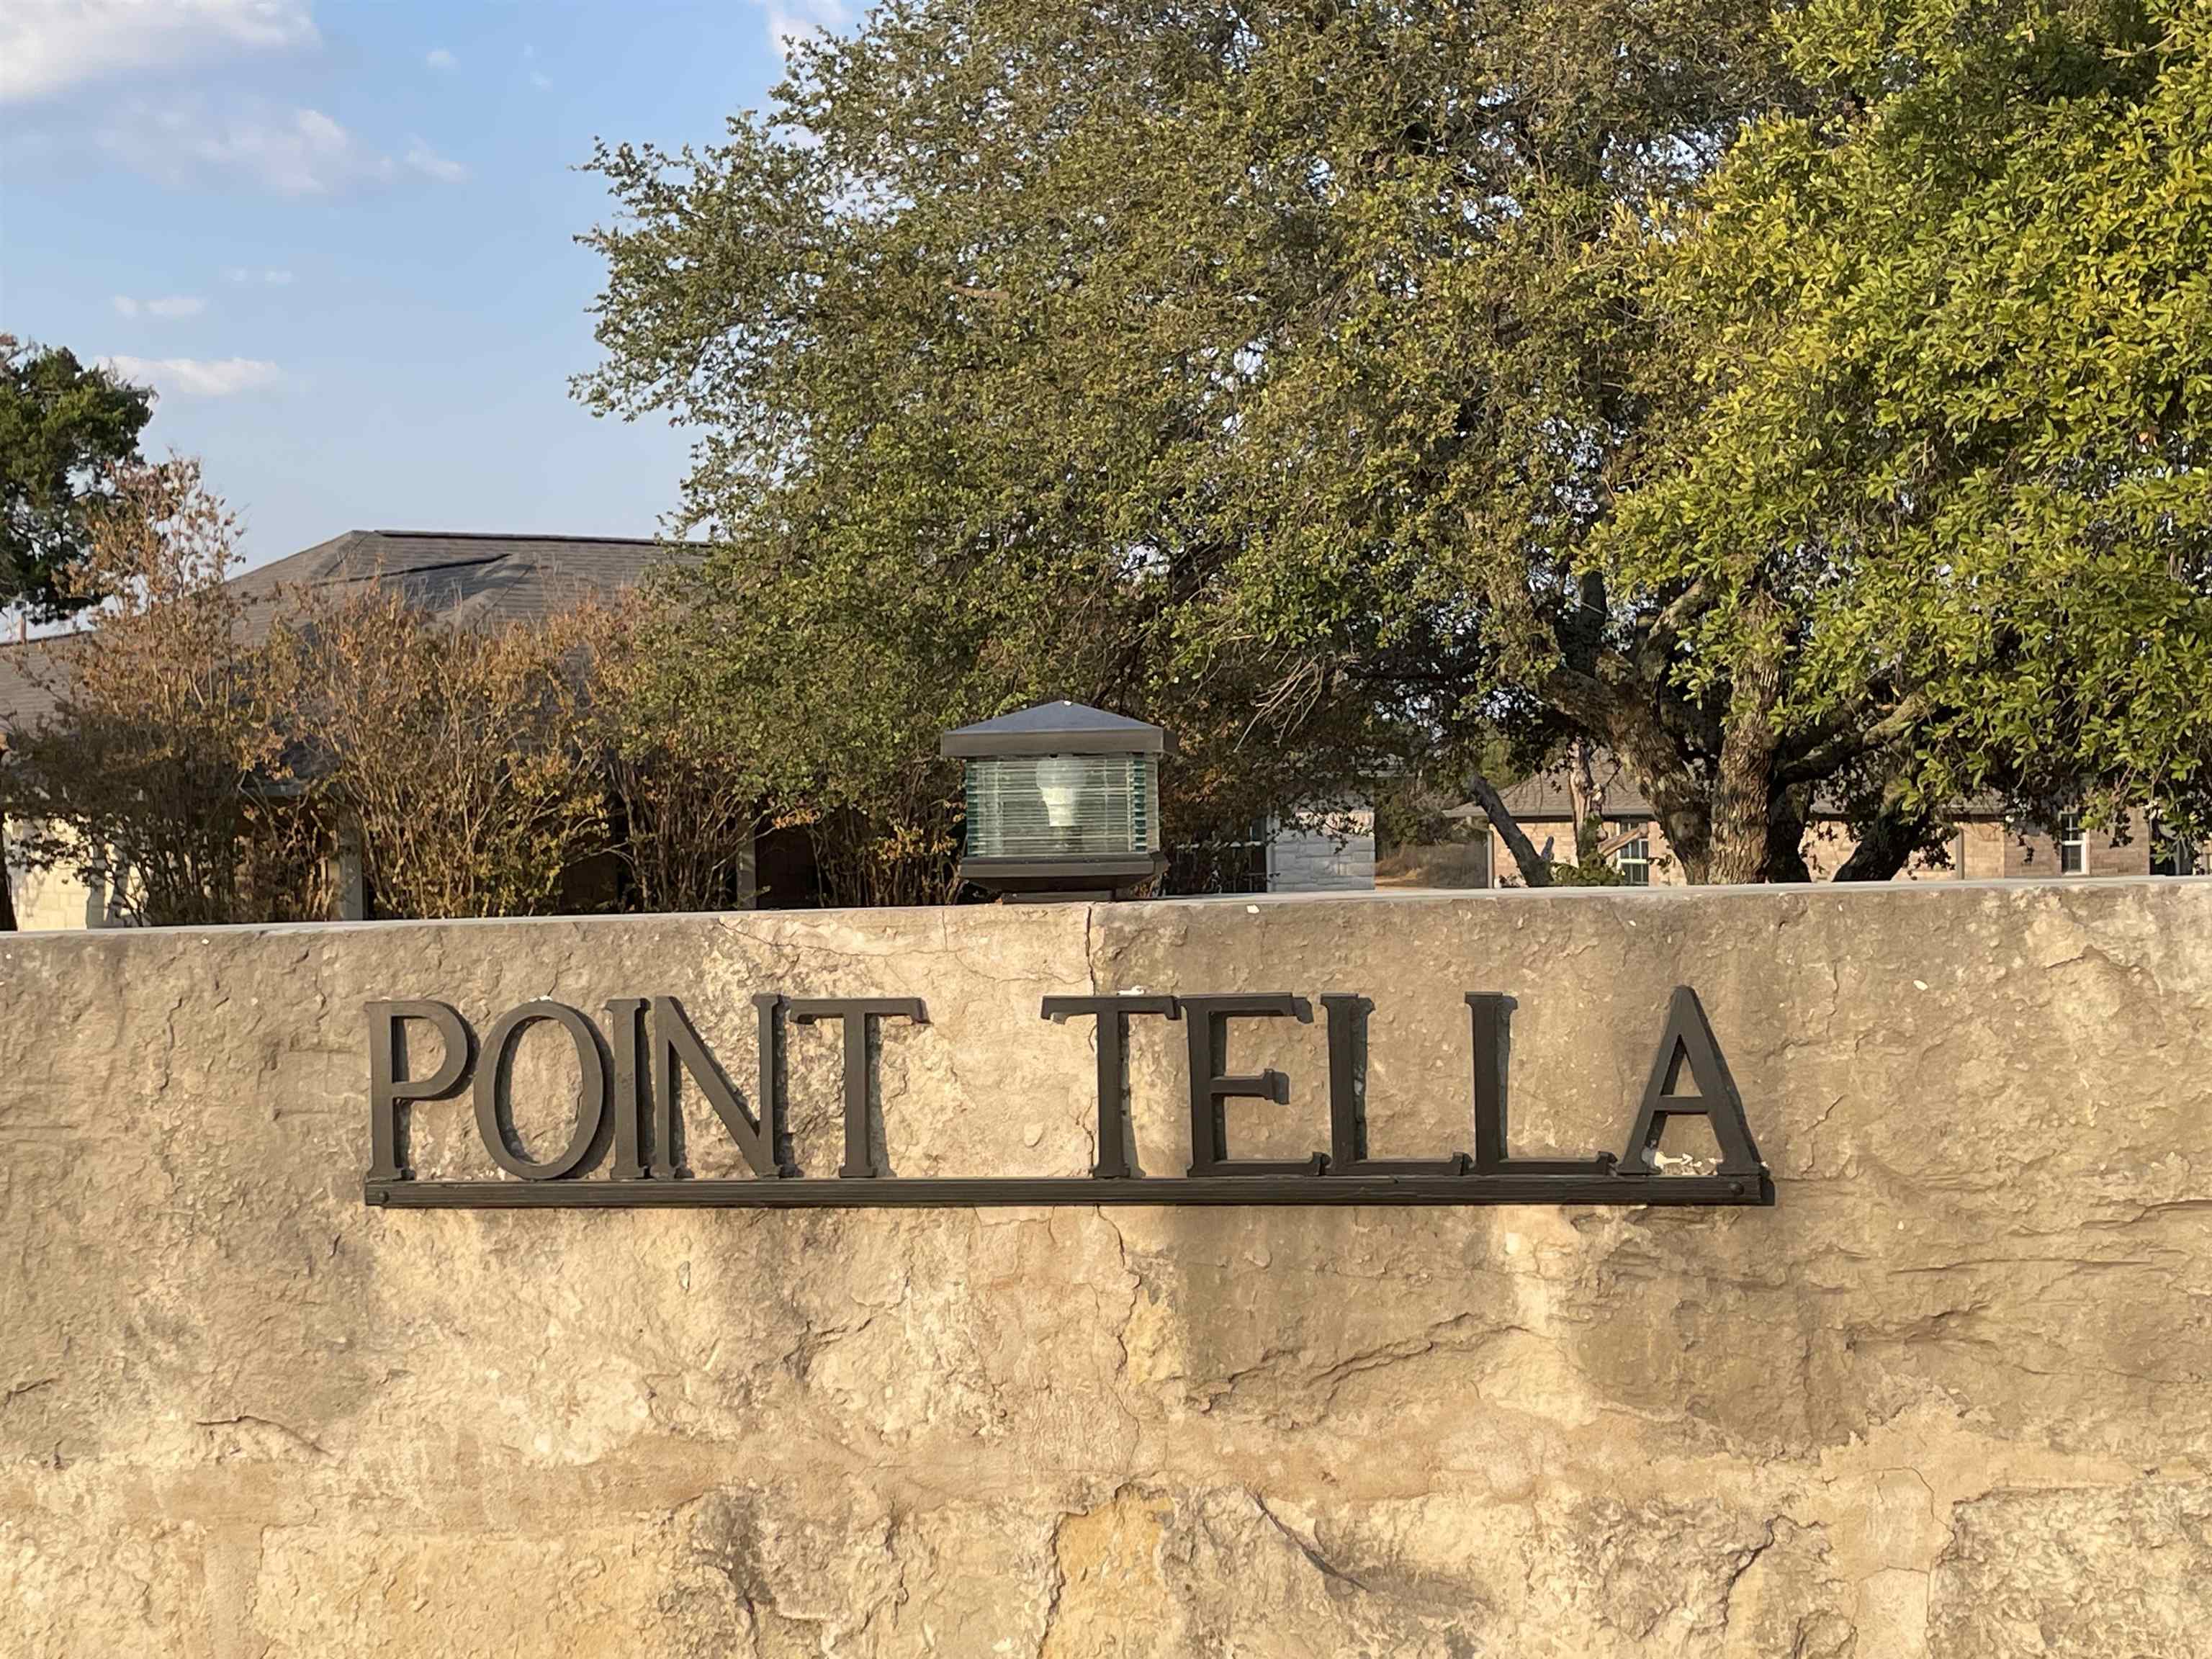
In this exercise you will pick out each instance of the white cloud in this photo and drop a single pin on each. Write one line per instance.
(48, 46)
(440, 58)
(197, 377)
(295, 152)
(273, 278)
(428, 162)
(792, 21)
(540, 80)
(172, 305)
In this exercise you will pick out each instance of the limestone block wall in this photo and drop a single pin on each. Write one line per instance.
(1952, 1395)
(54, 898)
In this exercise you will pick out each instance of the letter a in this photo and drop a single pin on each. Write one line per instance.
(1688, 1040)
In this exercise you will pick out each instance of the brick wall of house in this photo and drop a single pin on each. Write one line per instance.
(1828, 846)
(2033, 851)
(1982, 849)
(1979, 849)
(1666, 868)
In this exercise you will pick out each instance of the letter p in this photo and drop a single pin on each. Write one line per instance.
(389, 1086)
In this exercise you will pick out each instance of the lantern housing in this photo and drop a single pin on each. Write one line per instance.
(1063, 801)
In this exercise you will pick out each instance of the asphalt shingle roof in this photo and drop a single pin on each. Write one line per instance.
(1543, 797)
(468, 578)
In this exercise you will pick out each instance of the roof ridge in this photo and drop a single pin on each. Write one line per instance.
(513, 536)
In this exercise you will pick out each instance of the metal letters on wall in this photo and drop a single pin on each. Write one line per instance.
(630, 1075)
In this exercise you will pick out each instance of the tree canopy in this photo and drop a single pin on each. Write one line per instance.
(63, 426)
(1941, 399)
(1391, 375)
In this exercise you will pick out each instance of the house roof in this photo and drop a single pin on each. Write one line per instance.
(468, 579)
(1543, 797)
(1067, 728)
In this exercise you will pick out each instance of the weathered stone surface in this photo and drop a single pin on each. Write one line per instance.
(1951, 1397)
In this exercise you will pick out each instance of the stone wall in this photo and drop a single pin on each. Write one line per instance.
(50, 898)
(1951, 1396)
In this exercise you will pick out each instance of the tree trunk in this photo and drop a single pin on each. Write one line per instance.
(1886, 845)
(1786, 836)
(8, 924)
(1740, 827)
(1743, 789)
(1535, 869)
(1581, 799)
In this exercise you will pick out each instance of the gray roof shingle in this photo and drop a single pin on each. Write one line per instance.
(1542, 798)
(469, 579)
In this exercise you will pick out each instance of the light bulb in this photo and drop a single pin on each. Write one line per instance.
(1060, 781)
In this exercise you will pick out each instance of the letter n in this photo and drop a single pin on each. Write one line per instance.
(1688, 1042)
(676, 1050)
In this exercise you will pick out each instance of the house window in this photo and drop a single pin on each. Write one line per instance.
(1633, 859)
(2072, 845)
(2175, 854)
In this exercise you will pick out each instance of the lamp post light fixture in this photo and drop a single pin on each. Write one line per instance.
(1063, 802)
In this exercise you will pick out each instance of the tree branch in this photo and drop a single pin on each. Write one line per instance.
(1536, 868)
(1841, 741)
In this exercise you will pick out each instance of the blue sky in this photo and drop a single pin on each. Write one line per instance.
(336, 237)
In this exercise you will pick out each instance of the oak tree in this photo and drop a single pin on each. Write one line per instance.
(64, 426)
(1798, 403)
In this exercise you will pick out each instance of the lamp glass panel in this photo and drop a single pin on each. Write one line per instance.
(1051, 805)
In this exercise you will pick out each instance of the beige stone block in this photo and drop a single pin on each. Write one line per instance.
(79, 1578)
(2122, 1573)
(325, 1590)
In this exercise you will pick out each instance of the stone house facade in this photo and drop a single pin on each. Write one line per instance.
(1984, 844)
(1334, 853)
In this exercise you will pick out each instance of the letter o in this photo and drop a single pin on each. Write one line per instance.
(491, 1088)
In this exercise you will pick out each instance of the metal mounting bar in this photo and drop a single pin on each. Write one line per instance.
(964, 1193)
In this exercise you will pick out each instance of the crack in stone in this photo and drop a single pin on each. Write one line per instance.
(1059, 1586)
(1750, 1559)
(308, 1441)
(1321, 1564)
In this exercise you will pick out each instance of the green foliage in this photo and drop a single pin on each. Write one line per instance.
(1590, 872)
(1945, 393)
(63, 426)
(688, 806)
(1246, 366)
(1345, 380)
